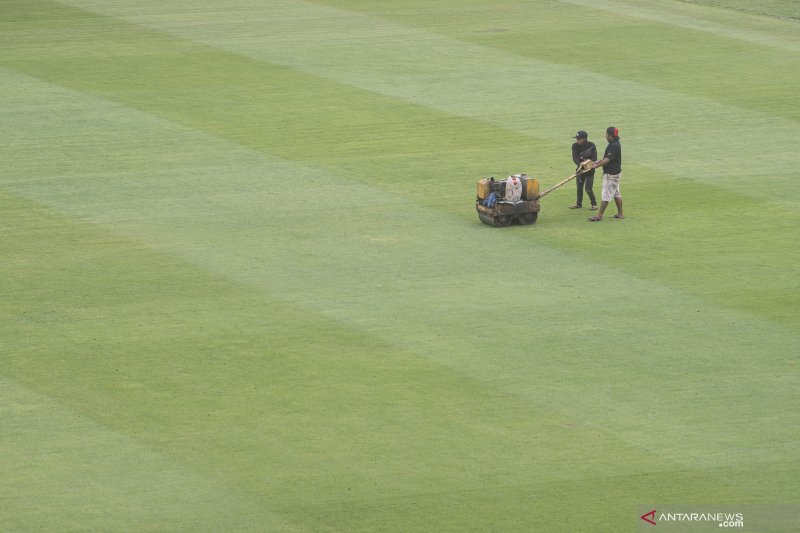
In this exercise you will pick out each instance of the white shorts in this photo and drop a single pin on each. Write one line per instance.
(611, 187)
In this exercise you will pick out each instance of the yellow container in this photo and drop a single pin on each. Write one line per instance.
(531, 187)
(483, 189)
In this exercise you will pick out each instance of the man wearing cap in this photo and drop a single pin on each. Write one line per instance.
(612, 171)
(583, 149)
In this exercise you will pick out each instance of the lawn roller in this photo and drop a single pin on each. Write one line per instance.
(501, 202)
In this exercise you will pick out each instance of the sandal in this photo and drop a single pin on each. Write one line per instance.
(576, 206)
(595, 219)
(619, 216)
(593, 208)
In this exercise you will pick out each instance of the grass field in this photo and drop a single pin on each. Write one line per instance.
(245, 287)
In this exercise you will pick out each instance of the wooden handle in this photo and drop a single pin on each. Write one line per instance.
(557, 185)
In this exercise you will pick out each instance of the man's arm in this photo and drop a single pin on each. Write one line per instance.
(575, 156)
(611, 154)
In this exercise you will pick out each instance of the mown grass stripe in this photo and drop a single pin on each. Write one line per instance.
(738, 26)
(64, 472)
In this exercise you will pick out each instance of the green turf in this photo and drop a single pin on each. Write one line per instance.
(768, 8)
(246, 288)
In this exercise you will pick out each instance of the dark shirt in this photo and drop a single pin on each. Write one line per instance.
(614, 156)
(584, 151)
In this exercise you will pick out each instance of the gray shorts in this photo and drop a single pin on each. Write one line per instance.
(611, 187)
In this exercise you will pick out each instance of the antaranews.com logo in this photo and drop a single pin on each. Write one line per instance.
(764, 518)
(720, 519)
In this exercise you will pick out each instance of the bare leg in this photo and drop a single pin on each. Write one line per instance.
(599, 214)
(617, 201)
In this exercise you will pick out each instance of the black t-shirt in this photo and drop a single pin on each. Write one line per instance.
(583, 151)
(614, 156)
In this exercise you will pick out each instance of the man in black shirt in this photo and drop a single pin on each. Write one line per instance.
(612, 171)
(583, 149)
